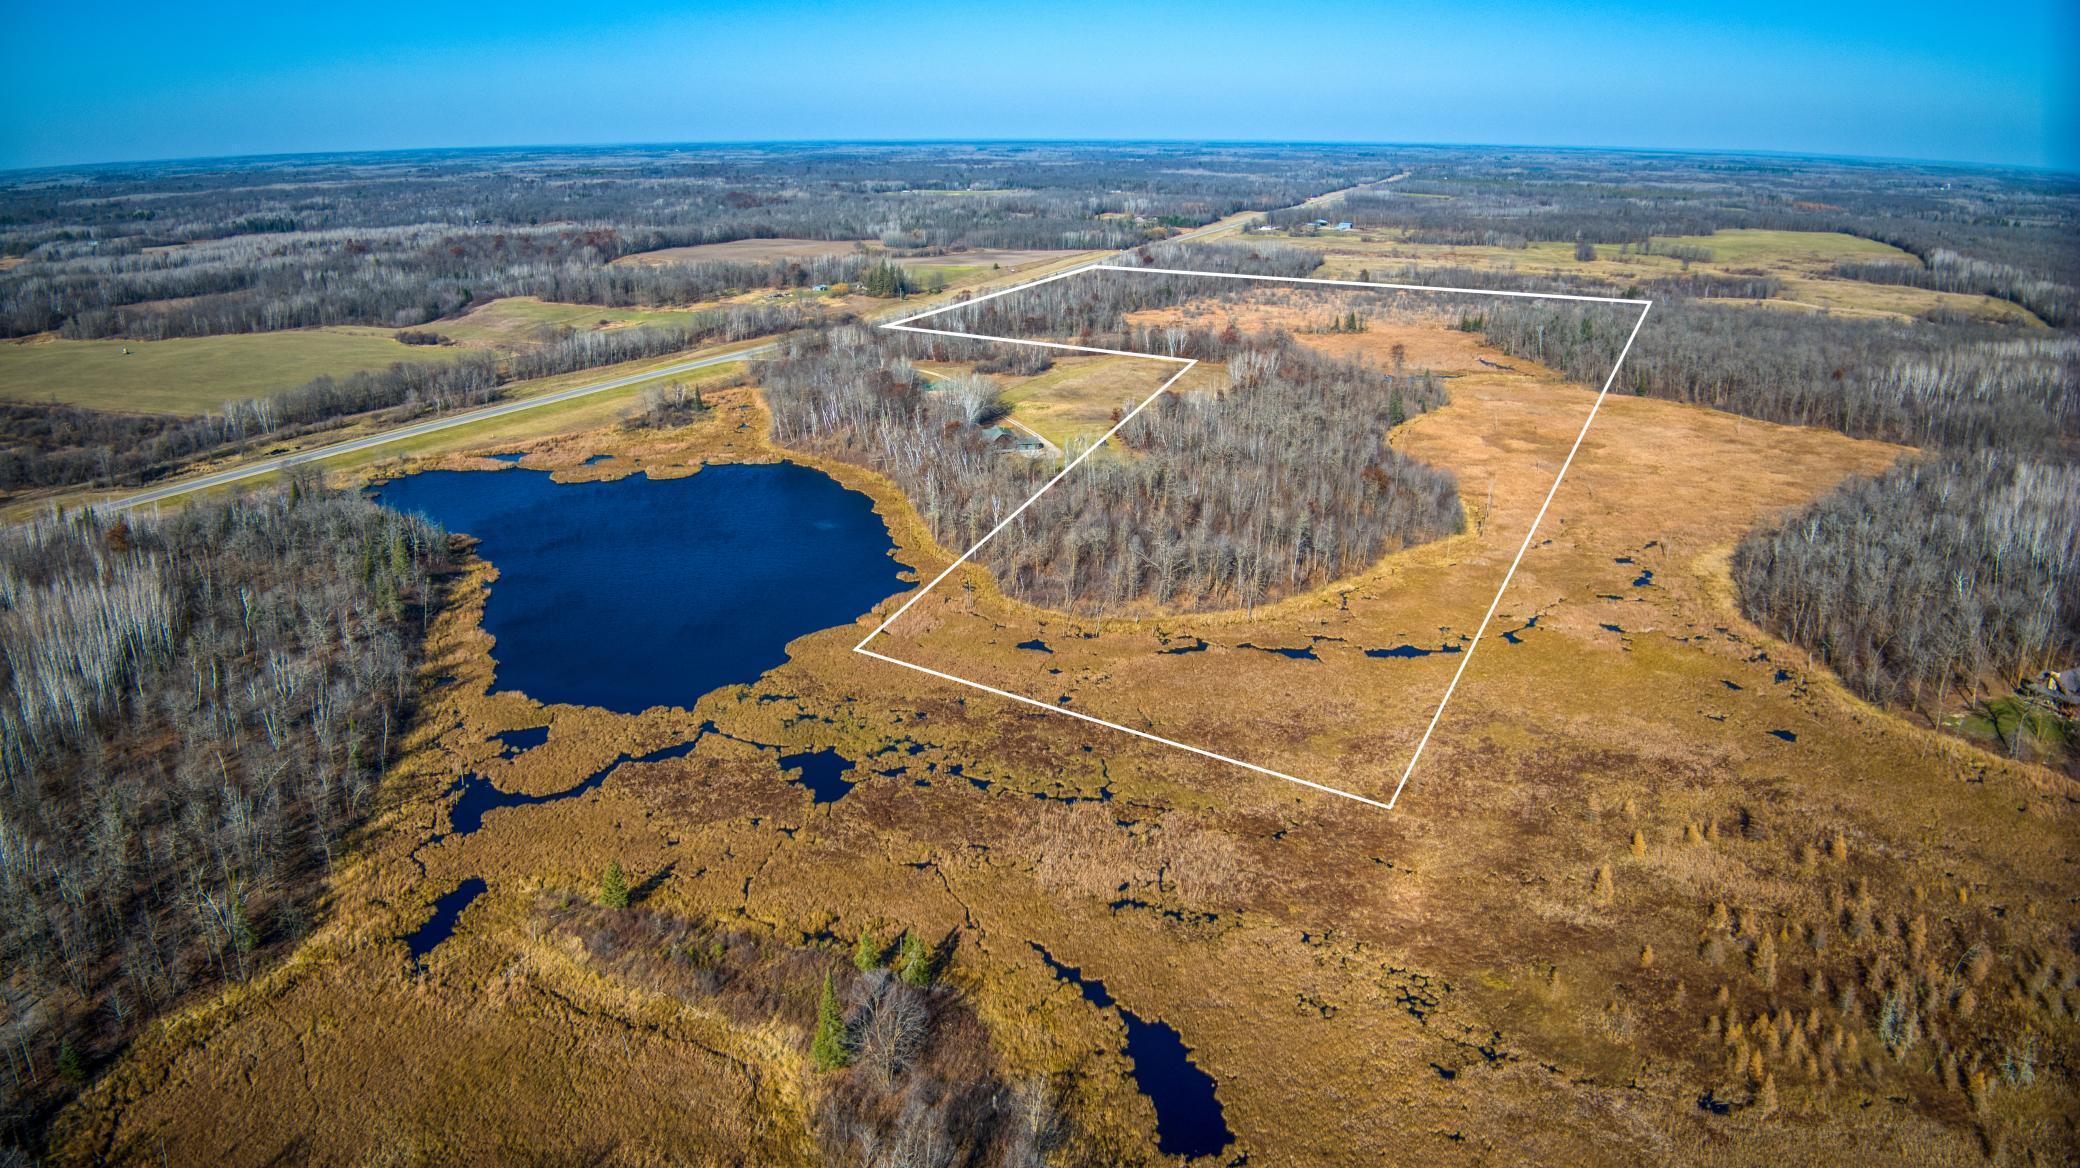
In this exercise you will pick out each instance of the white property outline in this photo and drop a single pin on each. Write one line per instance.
(1185, 365)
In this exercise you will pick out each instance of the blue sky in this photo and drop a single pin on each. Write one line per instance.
(122, 80)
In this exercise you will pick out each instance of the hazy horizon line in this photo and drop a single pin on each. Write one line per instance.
(2045, 169)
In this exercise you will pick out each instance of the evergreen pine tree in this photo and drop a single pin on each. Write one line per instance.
(829, 1048)
(868, 951)
(613, 887)
(71, 1067)
(917, 962)
(400, 551)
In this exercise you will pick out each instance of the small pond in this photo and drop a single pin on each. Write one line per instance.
(649, 592)
(513, 742)
(822, 773)
(446, 911)
(1190, 1121)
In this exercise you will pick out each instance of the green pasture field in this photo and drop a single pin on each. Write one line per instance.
(192, 375)
(520, 321)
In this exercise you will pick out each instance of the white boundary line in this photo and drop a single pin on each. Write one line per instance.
(905, 324)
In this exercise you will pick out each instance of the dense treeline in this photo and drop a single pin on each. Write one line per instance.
(1424, 212)
(1278, 481)
(1920, 383)
(1899, 382)
(1947, 271)
(1707, 285)
(170, 251)
(1929, 579)
(55, 445)
(1094, 308)
(1256, 258)
(192, 710)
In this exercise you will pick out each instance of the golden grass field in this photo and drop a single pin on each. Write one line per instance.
(742, 251)
(1081, 396)
(516, 322)
(1609, 893)
(989, 258)
(192, 375)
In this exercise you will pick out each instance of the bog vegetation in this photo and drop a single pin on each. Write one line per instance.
(1949, 578)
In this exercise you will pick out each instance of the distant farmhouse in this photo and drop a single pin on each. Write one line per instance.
(1005, 440)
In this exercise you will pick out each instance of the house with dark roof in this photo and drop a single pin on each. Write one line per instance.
(1005, 440)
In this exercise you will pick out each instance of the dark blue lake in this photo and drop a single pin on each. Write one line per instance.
(644, 592)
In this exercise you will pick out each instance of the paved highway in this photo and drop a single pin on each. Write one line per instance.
(435, 425)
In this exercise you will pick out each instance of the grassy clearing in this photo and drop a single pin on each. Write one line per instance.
(600, 411)
(743, 251)
(1081, 397)
(2019, 728)
(1772, 252)
(987, 259)
(191, 375)
(1899, 300)
(523, 321)
(1745, 245)
(955, 275)
(1740, 247)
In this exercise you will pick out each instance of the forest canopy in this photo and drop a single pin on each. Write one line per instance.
(193, 709)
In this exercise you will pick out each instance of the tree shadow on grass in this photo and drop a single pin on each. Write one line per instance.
(641, 892)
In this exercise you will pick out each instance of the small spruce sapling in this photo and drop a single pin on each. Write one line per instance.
(829, 1048)
(868, 953)
(917, 962)
(613, 887)
(71, 1067)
